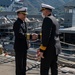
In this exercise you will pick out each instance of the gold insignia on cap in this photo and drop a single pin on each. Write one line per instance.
(23, 12)
(42, 9)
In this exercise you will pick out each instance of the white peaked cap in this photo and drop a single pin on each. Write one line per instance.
(23, 9)
(47, 6)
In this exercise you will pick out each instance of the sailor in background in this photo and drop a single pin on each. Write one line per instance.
(50, 46)
(20, 45)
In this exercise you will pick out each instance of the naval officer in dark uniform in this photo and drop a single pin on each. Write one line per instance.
(20, 45)
(50, 46)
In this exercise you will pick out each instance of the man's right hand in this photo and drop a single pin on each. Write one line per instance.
(39, 55)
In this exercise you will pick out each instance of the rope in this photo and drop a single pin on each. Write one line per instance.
(32, 58)
(32, 62)
(6, 60)
(31, 55)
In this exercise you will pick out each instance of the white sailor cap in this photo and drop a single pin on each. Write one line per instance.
(22, 10)
(46, 6)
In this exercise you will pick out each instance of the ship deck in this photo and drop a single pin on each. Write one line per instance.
(7, 67)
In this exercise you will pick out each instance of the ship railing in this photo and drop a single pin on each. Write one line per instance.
(67, 43)
(70, 47)
(6, 20)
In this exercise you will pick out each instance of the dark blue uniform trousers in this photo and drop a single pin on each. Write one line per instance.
(49, 61)
(20, 60)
